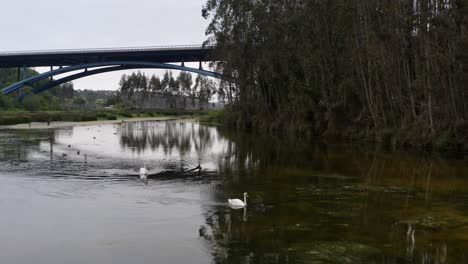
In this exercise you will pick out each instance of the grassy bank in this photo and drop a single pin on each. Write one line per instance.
(24, 117)
(211, 117)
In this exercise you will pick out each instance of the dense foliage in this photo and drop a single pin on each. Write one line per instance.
(340, 66)
(52, 99)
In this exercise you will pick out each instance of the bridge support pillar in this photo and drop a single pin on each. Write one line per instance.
(183, 64)
(200, 67)
(18, 74)
(23, 76)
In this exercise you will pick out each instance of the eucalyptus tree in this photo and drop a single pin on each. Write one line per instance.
(155, 85)
(337, 66)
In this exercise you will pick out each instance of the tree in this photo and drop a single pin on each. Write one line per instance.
(64, 91)
(6, 102)
(155, 85)
(173, 85)
(185, 81)
(79, 101)
(206, 89)
(165, 82)
(32, 103)
(124, 85)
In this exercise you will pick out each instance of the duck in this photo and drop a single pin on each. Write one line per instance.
(143, 172)
(237, 203)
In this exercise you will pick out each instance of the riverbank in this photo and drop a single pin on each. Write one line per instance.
(447, 140)
(12, 118)
(52, 125)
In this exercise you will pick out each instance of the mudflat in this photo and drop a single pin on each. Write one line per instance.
(58, 124)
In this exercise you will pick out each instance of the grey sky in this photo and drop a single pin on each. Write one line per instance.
(63, 24)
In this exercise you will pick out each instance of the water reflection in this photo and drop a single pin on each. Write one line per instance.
(338, 204)
(179, 137)
(309, 202)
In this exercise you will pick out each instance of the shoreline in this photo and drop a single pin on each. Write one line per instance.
(60, 124)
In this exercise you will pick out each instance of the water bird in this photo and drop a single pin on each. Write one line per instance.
(69, 146)
(144, 172)
(94, 137)
(237, 203)
(78, 152)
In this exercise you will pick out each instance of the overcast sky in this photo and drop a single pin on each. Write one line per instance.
(64, 24)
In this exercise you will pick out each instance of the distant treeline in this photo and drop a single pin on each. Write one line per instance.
(382, 69)
(203, 88)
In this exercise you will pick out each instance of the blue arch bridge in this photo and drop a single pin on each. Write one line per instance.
(79, 63)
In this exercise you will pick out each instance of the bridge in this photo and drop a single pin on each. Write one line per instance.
(96, 61)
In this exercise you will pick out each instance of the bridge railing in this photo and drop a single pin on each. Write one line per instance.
(104, 50)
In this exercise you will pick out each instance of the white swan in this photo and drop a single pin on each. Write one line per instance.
(238, 203)
(143, 172)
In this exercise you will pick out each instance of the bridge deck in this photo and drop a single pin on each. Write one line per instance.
(80, 56)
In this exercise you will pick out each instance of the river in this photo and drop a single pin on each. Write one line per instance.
(73, 195)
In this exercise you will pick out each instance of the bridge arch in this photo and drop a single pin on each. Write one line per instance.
(109, 66)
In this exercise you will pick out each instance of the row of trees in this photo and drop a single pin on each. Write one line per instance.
(182, 85)
(340, 64)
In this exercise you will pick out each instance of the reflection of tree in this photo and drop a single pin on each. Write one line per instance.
(233, 240)
(202, 139)
(167, 136)
(333, 193)
(246, 153)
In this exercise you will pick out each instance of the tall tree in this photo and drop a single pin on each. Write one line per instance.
(155, 85)
(335, 66)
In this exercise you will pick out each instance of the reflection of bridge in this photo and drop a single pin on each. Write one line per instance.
(96, 61)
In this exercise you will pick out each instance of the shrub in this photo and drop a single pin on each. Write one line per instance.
(125, 114)
(88, 117)
(13, 120)
(101, 115)
(40, 117)
(446, 141)
(32, 103)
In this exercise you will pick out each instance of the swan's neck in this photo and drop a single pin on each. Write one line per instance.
(245, 200)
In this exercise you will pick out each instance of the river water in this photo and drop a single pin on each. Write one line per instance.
(73, 195)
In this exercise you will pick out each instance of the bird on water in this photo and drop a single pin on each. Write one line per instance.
(143, 172)
(238, 203)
